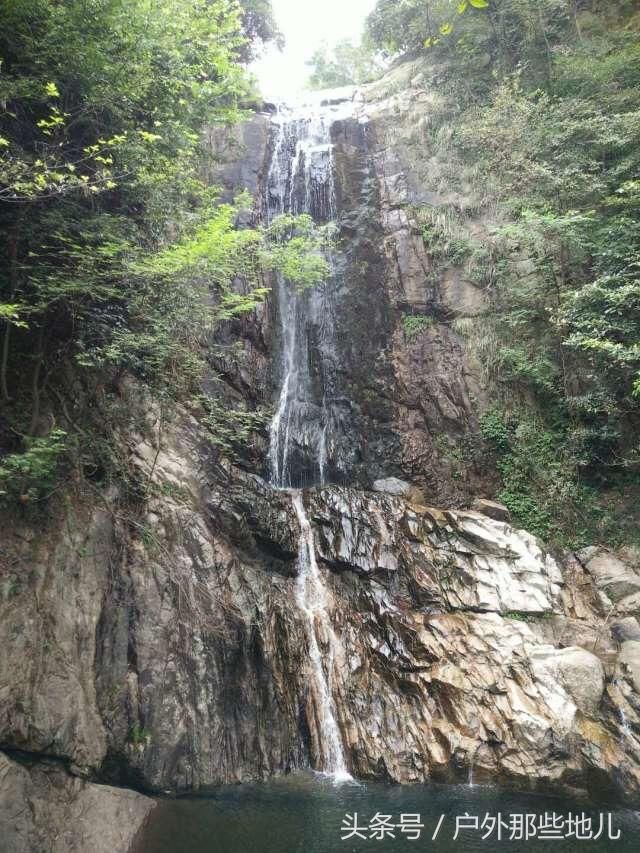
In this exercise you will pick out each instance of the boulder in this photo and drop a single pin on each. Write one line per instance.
(492, 509)
(578, 671)
(630, 659)
(612, 576)
(43, 808)
(626, 629)
(392, 486)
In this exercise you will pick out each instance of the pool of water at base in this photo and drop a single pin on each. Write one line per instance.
(308, 813)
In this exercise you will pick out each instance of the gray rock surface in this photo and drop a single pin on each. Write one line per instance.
(448, 626)
(491, 508)
(392, 486)
(44, 810)
(580, 673)
(626, 629)
(616, 579)
(630, 659)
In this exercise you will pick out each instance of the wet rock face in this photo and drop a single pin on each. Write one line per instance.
(416, 396)
(458, 640)
(237, 155)
(409, 396)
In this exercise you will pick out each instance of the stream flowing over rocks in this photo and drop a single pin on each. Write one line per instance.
(344, 596)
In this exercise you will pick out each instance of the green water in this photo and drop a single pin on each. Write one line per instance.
(304, 814)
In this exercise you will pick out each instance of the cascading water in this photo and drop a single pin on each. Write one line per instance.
(311, 599)
(625, 727)
(305, 431)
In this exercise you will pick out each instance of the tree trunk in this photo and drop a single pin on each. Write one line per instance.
(6, 340)
(13, 286)
(12, 252)
(35, 383)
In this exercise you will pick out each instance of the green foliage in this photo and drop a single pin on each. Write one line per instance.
(441, 239)
(259, 26)
(494, 430)
(96, 88)
(536, 135)
(139, 735)
(566, 296)
(114, 255)
(415, 24)
(230, 428)
(541, 482)
(526, 616)
(31, 475)
(603, 316)
(297, 249)
(415, 324)
(104, 101)
(215, 273)
(10, 314)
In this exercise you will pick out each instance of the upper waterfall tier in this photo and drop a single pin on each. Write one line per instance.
(311, 411)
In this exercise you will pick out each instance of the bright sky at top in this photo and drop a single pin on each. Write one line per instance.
(305, 24)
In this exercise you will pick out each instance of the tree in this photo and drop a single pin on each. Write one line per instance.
(343, 65)
(259, 26)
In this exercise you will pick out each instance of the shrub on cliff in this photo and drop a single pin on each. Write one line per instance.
(536, 126)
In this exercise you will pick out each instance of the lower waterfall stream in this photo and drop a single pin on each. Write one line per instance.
(311, 599)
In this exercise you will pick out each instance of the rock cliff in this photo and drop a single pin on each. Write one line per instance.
(157, 646)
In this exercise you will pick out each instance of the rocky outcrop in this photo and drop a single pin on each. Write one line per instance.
(492, 509)
(173, 655)
(44, 809)
(617, 581)
(411, 392)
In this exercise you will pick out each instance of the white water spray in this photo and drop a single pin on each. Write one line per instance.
(304, 445)
(311, 598)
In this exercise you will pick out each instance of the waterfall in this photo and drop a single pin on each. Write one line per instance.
(625, 727)
(304, 434)
(306, 431)
(311, 599)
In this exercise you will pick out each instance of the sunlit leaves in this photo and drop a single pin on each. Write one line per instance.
(149, 137)
(215, 273)
(113, 61)
(10, 313)
(399, 27)
(291, 245)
